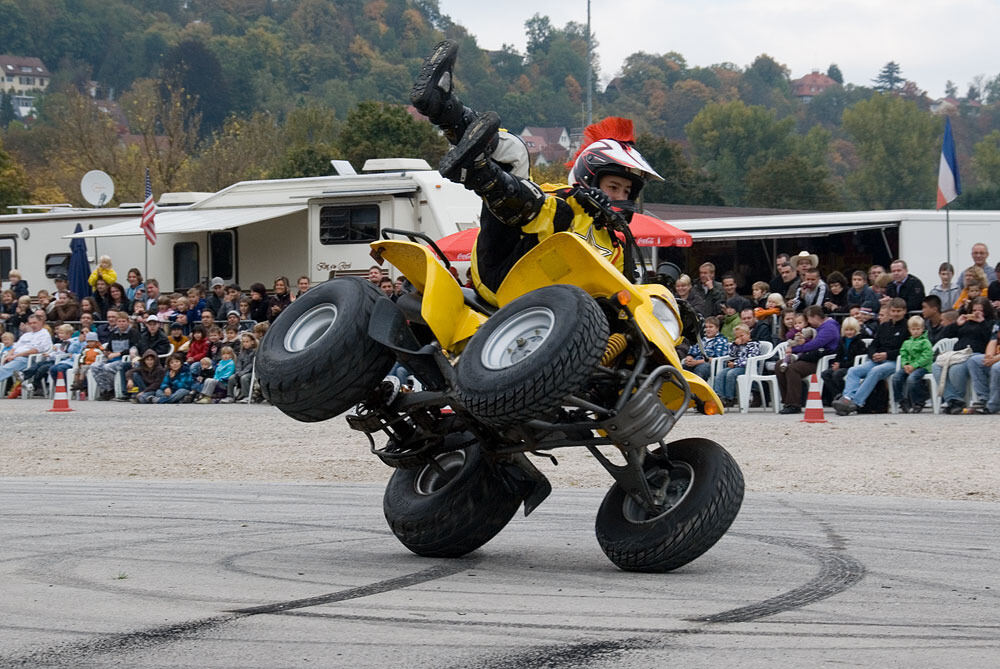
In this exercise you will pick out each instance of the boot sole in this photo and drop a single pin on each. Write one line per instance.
(476, 140)
(439, 62)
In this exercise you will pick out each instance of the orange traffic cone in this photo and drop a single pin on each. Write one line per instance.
(814, 403)
(60, 401)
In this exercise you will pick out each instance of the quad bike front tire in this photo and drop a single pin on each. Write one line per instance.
(701, 491)
(316, 360)
(528, 356)
(451, 508)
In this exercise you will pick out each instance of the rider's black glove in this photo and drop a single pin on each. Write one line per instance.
(594, 201)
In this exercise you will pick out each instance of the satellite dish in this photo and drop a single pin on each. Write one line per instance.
(97, 188)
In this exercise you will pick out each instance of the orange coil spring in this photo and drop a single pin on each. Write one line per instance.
(616, 344)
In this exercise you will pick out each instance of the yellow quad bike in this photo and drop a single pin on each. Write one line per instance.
(575, 356)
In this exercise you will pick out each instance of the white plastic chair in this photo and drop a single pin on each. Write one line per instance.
(754, 374)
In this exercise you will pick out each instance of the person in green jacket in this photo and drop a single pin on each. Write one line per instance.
(915, 358)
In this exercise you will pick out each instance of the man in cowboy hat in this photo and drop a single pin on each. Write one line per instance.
(803, 261)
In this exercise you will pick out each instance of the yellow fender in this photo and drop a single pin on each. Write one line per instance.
(566, 258)
(443, 306)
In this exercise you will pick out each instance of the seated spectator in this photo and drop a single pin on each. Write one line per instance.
(93, 352)
(836, 294)
(850, 347)
(18, 322)
(387, 288)
(792, 324)
(279, 300)
(260, 330)
(201, 371)
(881, 364)
(258, 302)
(43, 300)
(86, 325)
(239, 384)
(303, 285)
(246, 321)
(731, 315)
(860, 293)
(152, 295)
(65, 306)
(776, 284)
(63, 349)
(729, 286)
(122, 342)
(930, 309)
(993, 293)
(214, 343)
(868, 321)
(740, 351)
(759, 330)
(974, 331)
(146, 376)
(231, 335)
(177, 338)
(176, 385)
(683, 291)
(709, 290)
(807, 355)
(216, 297)
(207, 319)
(985, 374)
(134, 284)
(812, 290)
(980, 253)
(18, 285)
(880, 285)
(117, 300)
(760, 290)
(774, 305)
(715, 345)
(805, 334)
(946, 291)
(915, 358)
(972, 275)
(163, 310)
(215, 388)
(8, 302)
(6, 343)
(152, 336)
(198, 346)
(231, 303)
(34, 340)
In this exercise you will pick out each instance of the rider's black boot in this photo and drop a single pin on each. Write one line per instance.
(513, 201)
(432, 93)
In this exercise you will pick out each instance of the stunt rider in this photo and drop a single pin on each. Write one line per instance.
(517, 214)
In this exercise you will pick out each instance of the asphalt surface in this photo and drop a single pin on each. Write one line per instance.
(198, 574)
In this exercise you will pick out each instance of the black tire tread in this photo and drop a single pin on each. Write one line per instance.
(696, 535)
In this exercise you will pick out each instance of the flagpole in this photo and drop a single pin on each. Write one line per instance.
(947, 232)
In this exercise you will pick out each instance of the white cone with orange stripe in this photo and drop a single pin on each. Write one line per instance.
(814, 403)
(60, 400)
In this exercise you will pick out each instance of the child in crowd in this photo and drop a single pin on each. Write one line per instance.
(773, 306)
(239, 383)
(214, 342)
(202, 371)
(739, 351)
(147, 376)
(215, 388)
(176, 384)
(860, 294)
(92, 352)
(198, 346)
(760, 291)
(177, 338)
(869, 323)
(731, 311)
(836, 294)
(915, 358)
(713, 345)
(800, 334)
(6, 343)
(18, 285)
(787, 324)
(103, 271)
(850, 347)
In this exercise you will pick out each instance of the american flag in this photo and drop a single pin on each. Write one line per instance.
(148, 223)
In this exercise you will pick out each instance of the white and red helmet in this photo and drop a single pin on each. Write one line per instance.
(608, 148)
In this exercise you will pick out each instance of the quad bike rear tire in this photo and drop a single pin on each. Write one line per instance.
(702, 497)
(451, 512)
(528, 356)
(316, 360)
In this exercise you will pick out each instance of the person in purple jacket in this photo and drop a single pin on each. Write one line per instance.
(826, 340)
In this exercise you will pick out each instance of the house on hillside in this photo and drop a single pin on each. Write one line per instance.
(811, 85)
(546, 145)
(20, 76)
(950, 105)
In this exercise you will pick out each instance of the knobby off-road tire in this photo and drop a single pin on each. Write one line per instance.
(702, 499)
(316, 360)
(524, 361)
(449, 514)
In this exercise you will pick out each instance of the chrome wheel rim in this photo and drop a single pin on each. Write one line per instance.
(310, 327)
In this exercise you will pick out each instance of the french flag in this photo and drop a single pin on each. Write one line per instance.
(949, 185)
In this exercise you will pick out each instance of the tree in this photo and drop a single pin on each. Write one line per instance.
(730, 139)
(834, 73)
(986, 160)
(791, 183)
(378, 130)
(6, 110)
(13, 182)
(682, 184)
(897, 144)
(889, 78)
(539, 32)
(191, 66)
(244, 149)
(950, 89)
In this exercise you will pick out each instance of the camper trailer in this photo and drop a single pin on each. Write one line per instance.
(251, 231)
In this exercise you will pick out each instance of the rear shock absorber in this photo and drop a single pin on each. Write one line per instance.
(616, 344)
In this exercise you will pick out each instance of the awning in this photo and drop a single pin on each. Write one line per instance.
(723, 234)
(204, 220)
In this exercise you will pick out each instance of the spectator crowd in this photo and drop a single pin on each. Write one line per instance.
(858, 329)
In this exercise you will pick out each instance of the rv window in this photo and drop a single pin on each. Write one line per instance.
(348, 225)
(222, 254)
(185, 265)
(6, 261)
(56, 263)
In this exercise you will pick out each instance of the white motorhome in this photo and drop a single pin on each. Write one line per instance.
(251, 231)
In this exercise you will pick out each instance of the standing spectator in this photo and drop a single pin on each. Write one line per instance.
(986, 376)
(35, 340)
(728, 286)
(812, 290)
(683, 291)
(881, 364)
(117, 301)
(807, 357)
(280, 299)
(979, 260)
(387, 288)
(805, 261)
(874, 272)
(915, 358)
(777, 282)
(375, 275)
(789, 281)
(946, 291)
(146, 376)
(739, 352)
(303, 285)
(103, 271)
(974, 330)
(231, 303)
(930, 309)
(217, 296)
(836, 294)
(904, 285)
(709, 289)
(135, 284)
(258, 302)
(17, 283)
(152, 295)
(850, 347)
(102, 297)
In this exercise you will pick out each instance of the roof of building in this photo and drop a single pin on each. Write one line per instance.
(812, 84)
(23, 65)
(550, 135)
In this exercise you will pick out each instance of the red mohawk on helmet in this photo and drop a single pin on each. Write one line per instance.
(613, 127)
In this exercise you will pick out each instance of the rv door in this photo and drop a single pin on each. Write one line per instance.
(8, 256)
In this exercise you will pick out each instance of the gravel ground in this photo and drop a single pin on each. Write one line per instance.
(944, 457)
